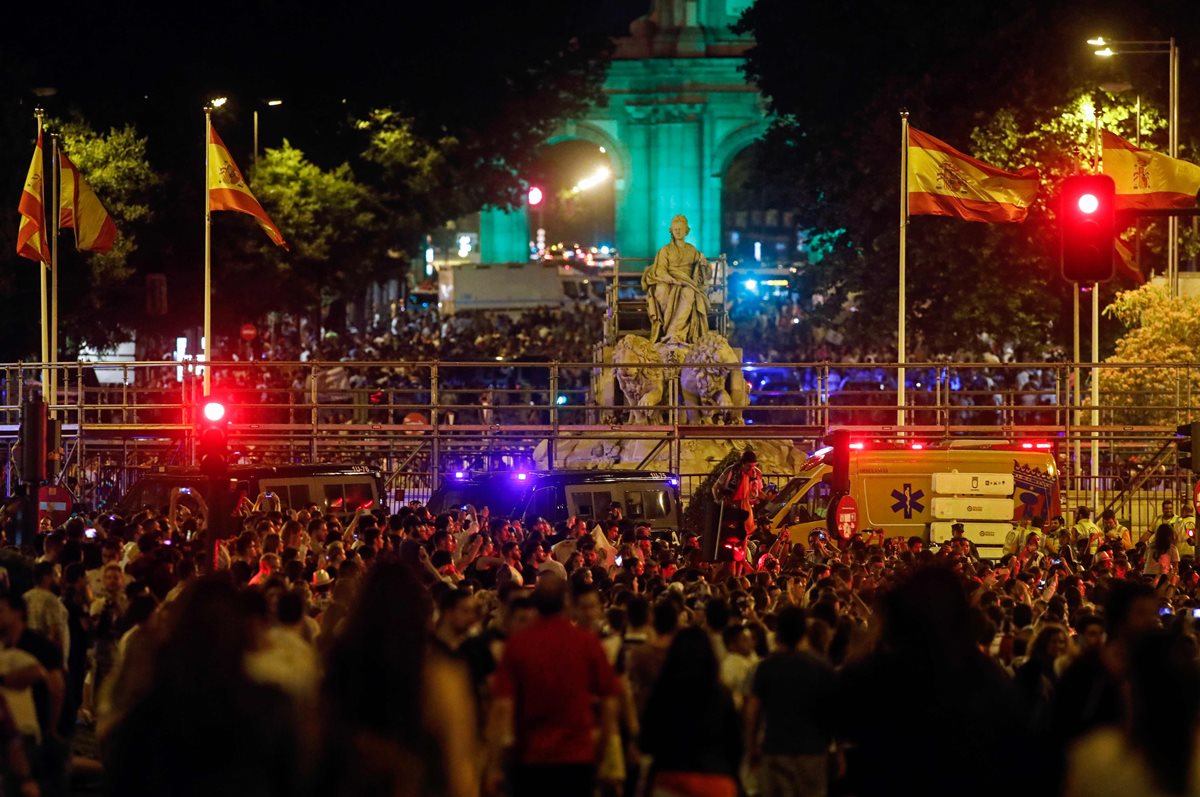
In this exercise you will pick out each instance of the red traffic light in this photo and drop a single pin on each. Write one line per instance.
(1088, 203)
(535, 196)
(1087, 225)
(214, 411)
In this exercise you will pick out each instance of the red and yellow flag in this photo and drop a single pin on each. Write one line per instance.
(1126, 262)
(227, 190)
(31, 234)
(1148, 180)
(79, 208)
(945, 182)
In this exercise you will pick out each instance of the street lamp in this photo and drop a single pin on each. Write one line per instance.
(270, 104)
(1109, 48)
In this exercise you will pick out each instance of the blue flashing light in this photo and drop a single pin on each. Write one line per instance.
(561, 400)
(751, 285)
(458, 474)
(522, 476)
(673, 481)
(820, 452)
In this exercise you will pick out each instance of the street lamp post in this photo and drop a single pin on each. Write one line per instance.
(1158, 47)
(254, 156)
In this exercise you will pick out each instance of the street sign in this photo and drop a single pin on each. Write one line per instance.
(249, 332)
(973, 483)
(55, 503)
(844, 520)
(944, 508)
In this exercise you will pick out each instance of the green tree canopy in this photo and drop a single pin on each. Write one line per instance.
(332, 224)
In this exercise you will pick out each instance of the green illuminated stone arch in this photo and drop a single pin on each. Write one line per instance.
(678, 110)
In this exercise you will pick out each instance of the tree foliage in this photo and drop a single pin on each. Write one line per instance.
(994, 80)
(331, 222)
(1161, 331)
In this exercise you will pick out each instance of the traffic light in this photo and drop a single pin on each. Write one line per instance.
(839, 460)
(1087, 226)
(34, 418)
(212, 444)
(1186, 436)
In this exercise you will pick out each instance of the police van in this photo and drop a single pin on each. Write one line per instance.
(919, 490)
(644, 497)
(333, 488)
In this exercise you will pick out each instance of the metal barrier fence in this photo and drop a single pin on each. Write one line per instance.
(416, 420)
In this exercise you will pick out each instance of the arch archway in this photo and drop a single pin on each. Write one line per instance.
(578, 207)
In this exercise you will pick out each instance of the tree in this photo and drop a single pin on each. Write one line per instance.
(993, 80)
(1161, 331)
(115, 164)
(332, 224)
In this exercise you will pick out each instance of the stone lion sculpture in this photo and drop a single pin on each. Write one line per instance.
(712, 387)
(642, 387)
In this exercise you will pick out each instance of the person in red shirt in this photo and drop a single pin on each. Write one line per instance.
(552, 688)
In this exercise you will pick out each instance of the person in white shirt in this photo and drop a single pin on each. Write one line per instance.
(739, 661)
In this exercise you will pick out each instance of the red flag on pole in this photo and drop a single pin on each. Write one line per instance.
(31, 234)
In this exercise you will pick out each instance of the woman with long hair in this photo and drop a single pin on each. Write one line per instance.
(691, 727)
(194, 722)
(1162, 556)
(398, 720)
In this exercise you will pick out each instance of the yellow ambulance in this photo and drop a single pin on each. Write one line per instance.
(920, 490)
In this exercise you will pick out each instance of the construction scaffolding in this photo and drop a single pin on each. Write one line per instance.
(420, 421)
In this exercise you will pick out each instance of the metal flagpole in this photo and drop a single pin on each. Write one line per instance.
(56, 182)
(1173, 146)
(42, 267)
(900, 343)
(1095, 394)
(1077, 399)
(207, 345)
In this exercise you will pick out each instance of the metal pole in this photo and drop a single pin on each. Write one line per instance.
(56, 177)
(1095, 392)
(43, 266)
(254, 166)
(1173, 137)
(1077, 399)
(207, 347)
(900, 343)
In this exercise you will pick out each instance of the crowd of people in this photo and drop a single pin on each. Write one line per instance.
(465, 654)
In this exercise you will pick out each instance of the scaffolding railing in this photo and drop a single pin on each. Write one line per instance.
(416, 419)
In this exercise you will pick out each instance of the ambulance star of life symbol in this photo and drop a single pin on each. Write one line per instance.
(952, 178)
(1141, 173)
(908, 501)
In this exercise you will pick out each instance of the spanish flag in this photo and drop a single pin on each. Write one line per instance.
(1148, 180)
(31, 234)
(1125, 262)
(79, 208)
(227, 190)
(945, 182)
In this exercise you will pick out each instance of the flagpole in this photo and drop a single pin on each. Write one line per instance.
(1095, 393)
(900, 342)
(55, 187)
(42, 266)
(207, 348)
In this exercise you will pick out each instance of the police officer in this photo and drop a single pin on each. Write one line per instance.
(1085, 529)
(1168, 516)
(1185, 531)
(1114, 533)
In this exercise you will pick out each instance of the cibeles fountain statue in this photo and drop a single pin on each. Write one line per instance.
(711, 387)
(669, 360)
